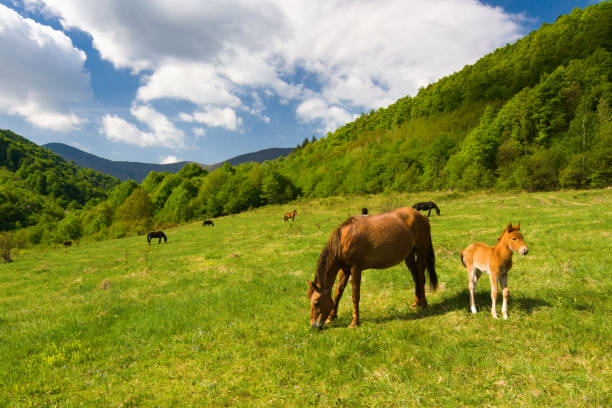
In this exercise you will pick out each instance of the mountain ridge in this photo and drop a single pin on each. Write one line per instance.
(137, 171)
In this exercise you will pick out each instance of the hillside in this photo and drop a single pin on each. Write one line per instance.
(534, 115)
(36, 184)
(137, 171)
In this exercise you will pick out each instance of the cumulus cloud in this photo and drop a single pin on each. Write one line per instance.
(317, 109)
(41, 73)
(168, 159)
(216, 117)
(162, 131)
(334, 58)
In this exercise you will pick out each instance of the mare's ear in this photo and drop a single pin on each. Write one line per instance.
(312, 287)
(509, 227)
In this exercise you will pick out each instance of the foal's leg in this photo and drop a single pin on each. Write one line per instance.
(356, 284)
(493, 279)
(473, 276)
(342, 281)
(503, 283)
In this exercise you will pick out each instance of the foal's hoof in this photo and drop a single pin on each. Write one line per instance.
(417, 304)
(353, 325)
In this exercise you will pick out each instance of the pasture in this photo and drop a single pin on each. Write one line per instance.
(219, 316)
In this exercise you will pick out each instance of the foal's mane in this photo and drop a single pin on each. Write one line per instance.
(331, 252)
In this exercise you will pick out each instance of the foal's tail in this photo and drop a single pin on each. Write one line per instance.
(431, 267)
(462, 260)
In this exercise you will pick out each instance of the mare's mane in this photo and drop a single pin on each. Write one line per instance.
(331, 252)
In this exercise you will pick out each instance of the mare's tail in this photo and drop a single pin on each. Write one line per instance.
(431, 267)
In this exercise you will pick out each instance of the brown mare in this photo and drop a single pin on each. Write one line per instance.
(290, 215)
(496, 261)
(372, 242)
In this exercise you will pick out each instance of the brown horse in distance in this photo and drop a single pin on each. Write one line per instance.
(67, 244)
(372, 242)
(496, 261)
(290, 215)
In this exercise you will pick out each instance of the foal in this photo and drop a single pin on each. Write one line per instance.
(496, 261)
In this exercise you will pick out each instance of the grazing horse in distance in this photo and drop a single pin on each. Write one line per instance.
(208, 222)
(157, 234)
(496, 261)
(290, 215)
(364, 211)
(67, 244)
(427, 205)
(372, 242)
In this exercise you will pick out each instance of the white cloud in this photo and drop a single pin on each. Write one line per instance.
(316, 109)
(161, 132)
(198, 131)
(216, 117)
(168, 159)
(41, 73)
(347, 56)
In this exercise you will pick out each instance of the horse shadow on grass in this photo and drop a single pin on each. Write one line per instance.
(461, 301)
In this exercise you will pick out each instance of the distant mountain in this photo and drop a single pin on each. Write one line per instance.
(137, 171)
(123, 170)
(259, 156)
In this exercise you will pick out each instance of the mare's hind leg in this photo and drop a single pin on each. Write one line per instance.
(473, 276)
(356, 286)
(342, 281)
(417, 268)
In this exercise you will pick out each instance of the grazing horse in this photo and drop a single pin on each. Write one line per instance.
(290, 215)
(496, 261)
(364, 211)
(67, 244)
(372, 242)
(427, 205)
(208, 222)
(157, 234)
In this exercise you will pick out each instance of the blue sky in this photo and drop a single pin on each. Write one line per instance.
(168, 80)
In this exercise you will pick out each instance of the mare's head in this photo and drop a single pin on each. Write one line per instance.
(321, 304)
(514, 239)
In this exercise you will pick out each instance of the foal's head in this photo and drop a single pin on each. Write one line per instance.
(513, 238)
(321, 305)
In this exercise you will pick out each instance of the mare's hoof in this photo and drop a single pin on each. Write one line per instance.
(353, 325)
(330, 319)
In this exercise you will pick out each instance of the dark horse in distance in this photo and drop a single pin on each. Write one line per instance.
(157, 234)
(372, 242)
(427, 205)
(208, 222)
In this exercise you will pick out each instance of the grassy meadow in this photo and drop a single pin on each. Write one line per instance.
(219, 317)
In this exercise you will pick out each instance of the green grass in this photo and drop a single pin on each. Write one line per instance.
(219, 316)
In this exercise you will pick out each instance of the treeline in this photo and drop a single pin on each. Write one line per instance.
(163, 199)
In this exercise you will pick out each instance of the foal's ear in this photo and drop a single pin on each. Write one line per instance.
(517, 226)
(509, 227)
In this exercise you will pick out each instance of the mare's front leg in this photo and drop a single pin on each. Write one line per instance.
(503, 283)
(356, 284)
(342, 281)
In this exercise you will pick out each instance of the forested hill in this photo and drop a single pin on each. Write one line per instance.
(36, 184)
(534, 115)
